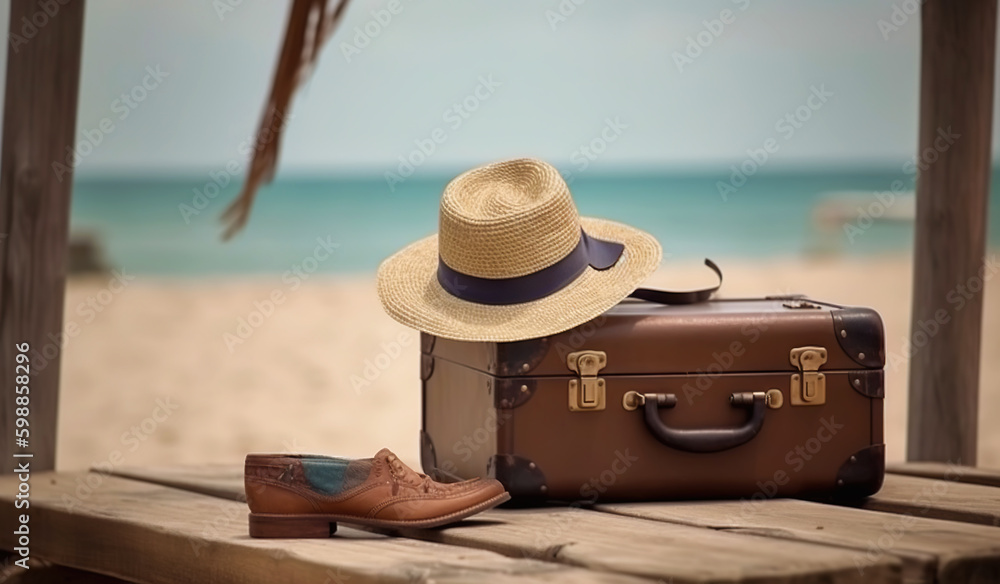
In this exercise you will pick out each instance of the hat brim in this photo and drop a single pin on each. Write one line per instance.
(410, 292)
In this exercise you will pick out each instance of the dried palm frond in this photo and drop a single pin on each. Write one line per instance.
(309, 26)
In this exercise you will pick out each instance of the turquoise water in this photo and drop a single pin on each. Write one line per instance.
(143, 230)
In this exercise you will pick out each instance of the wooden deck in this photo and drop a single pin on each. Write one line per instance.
(930, 523)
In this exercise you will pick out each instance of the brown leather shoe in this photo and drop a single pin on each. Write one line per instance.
(305, 496)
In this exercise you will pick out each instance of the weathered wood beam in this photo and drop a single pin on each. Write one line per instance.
(43, 73)
(587, 539)
(956, 111)
(158, 534)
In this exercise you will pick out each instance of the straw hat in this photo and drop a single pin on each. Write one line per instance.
(513, 260)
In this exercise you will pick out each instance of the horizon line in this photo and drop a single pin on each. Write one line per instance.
(368, 173)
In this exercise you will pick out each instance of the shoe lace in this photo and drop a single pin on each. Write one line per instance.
(404, 475)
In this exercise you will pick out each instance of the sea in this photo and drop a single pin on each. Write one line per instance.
(170, 225)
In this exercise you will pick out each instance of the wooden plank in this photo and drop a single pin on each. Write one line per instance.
(931, 550)
(578, 537)
(148, 533)
(916, 498)
(939, 499)
(956, 113)
(39, 121)
(675, 553)
(951, 472)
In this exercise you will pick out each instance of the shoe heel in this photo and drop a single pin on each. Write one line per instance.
(290, 526)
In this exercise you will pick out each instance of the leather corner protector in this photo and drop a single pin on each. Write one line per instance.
(862, 473)
(513, 392)
(520, 357)
(868, 382)
(860, 333)
(521, 477)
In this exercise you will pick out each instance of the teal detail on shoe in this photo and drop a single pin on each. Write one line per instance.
(325, 475)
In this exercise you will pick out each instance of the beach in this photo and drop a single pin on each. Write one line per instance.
(188, 371)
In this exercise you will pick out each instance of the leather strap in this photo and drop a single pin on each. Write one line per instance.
(689, 297)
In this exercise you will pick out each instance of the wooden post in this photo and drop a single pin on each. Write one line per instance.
(956, 107)
(43, 72)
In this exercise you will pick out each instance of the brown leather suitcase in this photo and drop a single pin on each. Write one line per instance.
(729, 398)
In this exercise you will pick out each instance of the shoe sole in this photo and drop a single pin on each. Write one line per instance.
(270, 525)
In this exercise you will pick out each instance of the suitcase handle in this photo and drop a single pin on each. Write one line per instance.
(707, 439)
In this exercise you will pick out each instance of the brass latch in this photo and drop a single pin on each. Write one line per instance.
(586, 393)
(808, 385)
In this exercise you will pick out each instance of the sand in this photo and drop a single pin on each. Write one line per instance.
(160, 374)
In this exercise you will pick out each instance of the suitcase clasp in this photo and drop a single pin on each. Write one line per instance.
(808, 385)
(586, 393)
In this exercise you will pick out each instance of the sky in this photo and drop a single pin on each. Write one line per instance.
(628, 84)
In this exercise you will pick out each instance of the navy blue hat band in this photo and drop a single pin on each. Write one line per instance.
(592, 252)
